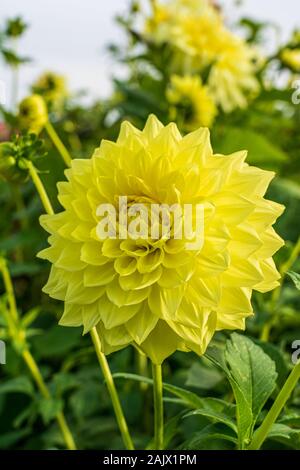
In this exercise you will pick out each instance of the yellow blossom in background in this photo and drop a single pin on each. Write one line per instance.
(52, 87)
(196, 31)
(33, 114)
(231, 80)
(156, 293)
(192, 100)
(291, 58)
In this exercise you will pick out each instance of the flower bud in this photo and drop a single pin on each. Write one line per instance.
(33, 114)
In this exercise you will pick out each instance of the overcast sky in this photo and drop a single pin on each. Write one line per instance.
(69, 36)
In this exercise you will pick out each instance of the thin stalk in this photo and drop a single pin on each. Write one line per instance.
(9, 290)
(158, 407)
(40, 189)
(58, 143)
(20, 206)
(262, 432)
(13, 321)
(285, 267)
(37, 376)
(101, 357)
(112, 390)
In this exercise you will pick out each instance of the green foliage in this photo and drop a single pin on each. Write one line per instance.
(213, 402)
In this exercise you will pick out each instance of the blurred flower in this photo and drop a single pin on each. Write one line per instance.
(195, 29)
(291, 58)
(192, 101)
(231, 80)
(52, 87)
(4, 132)
(154, 293)
(33, 114)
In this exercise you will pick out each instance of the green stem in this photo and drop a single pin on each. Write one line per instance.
(158, 407)
(276, 292)
(40, 188)
(112, 390)
(20, 206)
(58, 143)
(101, 357)
(13, 322)
(37, 376)
(9, 290)
(262, 432)
(142, 368)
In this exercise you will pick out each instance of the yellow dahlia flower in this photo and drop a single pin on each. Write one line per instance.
(192, 101)
(291, 58)
(156, 293)
(231, 79)
(33, 114)
(52, 87)
(196, 31)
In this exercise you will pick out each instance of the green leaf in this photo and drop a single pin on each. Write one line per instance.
(295, 278)
(252, 375)
(20, 384)
(282, 430)
(217, 410)
(189, 398)
(56, 341)
(49, 408)
(212, 437)
(261, 151)
(203, 377)
(11, 438)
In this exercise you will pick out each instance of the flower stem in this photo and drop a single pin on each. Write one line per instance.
(13, 322)
(9, 290)
(262, 432)
(158, 407)
(112, 390)
(40, 188)
(101, 357)
(37, 376)
(58, 143)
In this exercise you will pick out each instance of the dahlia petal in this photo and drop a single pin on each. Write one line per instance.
(160, 343)
(91, 253)
(250, 180)
(77, 293)
(72, 315)
(106, 347)
(235, 300)
(271, 243)
(138, 280)
(113, 316)
(111, 248)
(152, 128)
(165, 302)
(90, 316)
(242, 273)
(98, 275)
(206, 292)
(120, 297)
(141, 325)
(150, 262)
(197, 339)
(125, 265)
(270, 276)
(232, 208)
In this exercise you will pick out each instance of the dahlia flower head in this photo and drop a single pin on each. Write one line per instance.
(192, 101)
(155, 293)
(196, 31)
